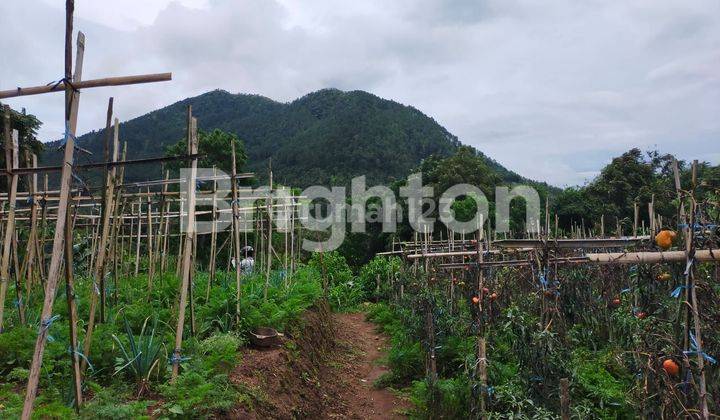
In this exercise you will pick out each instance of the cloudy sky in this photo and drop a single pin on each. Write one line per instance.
(550, 89)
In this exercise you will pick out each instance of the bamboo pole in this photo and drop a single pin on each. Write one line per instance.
(18, 288)
(652, 257)
(236, 236)
(72, 311)
(84, 84)
(98, 288)
(564, 399)
(268, 261)
(190, 234)
(166, 236)
(213, 239)
(11, 141)
(31, 246)
(151, 266)
(71, 109)
(139, 236)
(691, 294)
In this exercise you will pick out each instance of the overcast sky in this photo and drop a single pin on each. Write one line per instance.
(550, 89)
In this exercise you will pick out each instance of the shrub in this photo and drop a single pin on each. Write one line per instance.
(194, 395)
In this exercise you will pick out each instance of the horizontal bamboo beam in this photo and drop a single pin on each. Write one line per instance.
(93, 83)
(652, 257)
(571, 243)
(40, 169)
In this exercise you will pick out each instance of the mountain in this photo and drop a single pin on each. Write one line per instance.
(325, 137)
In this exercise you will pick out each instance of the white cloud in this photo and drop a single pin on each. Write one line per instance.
(552, 89)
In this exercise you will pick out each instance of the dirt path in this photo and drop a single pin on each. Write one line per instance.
(358, 361)
(327, 375)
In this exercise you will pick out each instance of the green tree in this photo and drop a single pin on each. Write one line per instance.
(27, 126)
(216, 148)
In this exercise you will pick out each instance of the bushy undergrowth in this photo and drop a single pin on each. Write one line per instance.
(611, 356)
(130, 350)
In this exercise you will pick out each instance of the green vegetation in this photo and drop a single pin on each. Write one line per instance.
(129, 369)
(325, 137)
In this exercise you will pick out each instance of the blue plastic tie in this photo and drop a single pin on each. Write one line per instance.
(48, 322)
(694, 346)
(676, 293)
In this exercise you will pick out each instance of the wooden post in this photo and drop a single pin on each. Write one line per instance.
(72, 311)
(268, 262)
(236, 234)
(178, 264)
(139, 238)
(71, 108)
(98, 287)
(11, 162)
(213, 239)
(636, 212)
(187, 252)
(564, 399)
(32, 245)
(161, 226)
(166, 232)
(149, 243)
(18, 288)
(691, 294)
(482, 374)
(651, 215)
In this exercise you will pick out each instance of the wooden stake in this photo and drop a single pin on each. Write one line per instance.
(268, 261)
(11, 161)
(236, 235)
(213, 239)
(149, 243)
(564, 399)
(72, 311)
(72, 101)
(189, 235)
(98, 288)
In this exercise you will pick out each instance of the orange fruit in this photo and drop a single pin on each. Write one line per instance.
(493, 296)
(664, 239)
(476, 300)
(671, 367)
(664, 277)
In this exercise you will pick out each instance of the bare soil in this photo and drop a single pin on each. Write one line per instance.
(325, 371)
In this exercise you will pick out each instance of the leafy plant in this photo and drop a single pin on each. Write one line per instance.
(139, 357)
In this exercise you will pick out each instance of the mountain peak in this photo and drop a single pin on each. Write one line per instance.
(327, 136)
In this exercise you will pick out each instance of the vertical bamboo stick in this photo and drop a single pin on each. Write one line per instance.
(149, 244)
(213, 238)
(268, 261)
(32, 245)
(236, 234)
(189, 235)
(139, 238)
(11, 140)
(564, 399)
(98, 288)
(72, 99)
(72, 311)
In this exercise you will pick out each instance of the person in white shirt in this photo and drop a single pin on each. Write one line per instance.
(248, 262)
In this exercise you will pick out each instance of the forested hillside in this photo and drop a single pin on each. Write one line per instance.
(328, 136)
